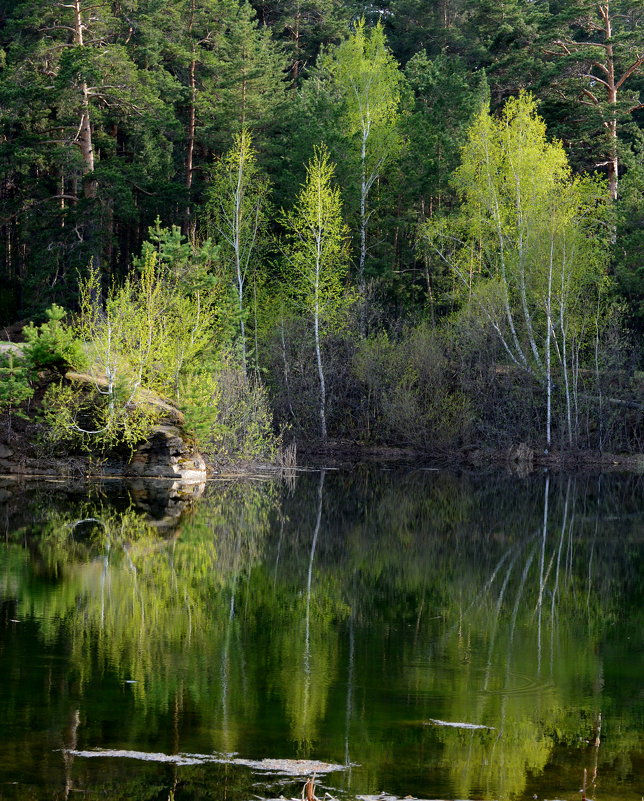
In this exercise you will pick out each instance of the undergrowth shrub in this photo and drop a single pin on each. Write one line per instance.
(244, 422)
(410, 393)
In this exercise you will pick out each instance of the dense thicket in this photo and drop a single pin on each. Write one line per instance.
(125, 116)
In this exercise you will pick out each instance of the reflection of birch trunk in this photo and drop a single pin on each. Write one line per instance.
(104, 579)
(309, 582)
(495, 625)
(542, 559)
(349, 706)
(225, 653)
(596, 744)
(513, 622)
(279, 548)
(555, 590)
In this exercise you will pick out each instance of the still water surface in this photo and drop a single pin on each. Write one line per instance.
(343, 617)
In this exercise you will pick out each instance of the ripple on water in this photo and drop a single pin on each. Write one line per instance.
(520, 684)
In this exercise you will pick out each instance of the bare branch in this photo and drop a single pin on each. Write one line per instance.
(594, 78)
(633, 68)
(602, 67)
(58, 28)
(588, 93)
(34, 203)
(572, 43)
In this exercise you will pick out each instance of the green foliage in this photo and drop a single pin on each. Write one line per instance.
(316, 249)
(629, 243)
(305, 26)
(149, 331)
(447, 98)
(316, 245)
(237, 214)
(199, 399)
(94, 420)
(367, 78)
(364, 75)
(190, 265)
(140, 343)
(412, 399)
(15, 382)
(53, 344)
(244, 420)
(538, 234)
(111, 120)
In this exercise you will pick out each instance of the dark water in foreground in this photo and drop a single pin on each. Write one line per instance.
(332, 618)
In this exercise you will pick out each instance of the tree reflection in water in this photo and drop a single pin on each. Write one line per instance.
(338, 619)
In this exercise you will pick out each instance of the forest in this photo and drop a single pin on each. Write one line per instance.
(404, 223)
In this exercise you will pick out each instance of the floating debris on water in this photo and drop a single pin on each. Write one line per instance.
(286, 767)
(386, 797)
(457, 725)
(175, 759)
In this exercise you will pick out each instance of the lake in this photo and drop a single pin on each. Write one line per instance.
(407, 632)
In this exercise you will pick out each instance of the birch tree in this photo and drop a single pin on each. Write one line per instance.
(316, 248)
(237, 204)
(367, 78)
(529, 246)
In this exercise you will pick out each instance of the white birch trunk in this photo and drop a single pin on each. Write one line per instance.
(237, 247)
(316, 326)
(548, 352)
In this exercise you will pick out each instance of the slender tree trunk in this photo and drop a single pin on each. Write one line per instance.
(548, 353)
(237, 247)
(297, 62)
(190, 149)
(522, 278)
(609, 82)
(599, 385)
(611, 124)
(318, 356)
(564, 350)
(85, 128)
(255, 328)
(287, 384)
(318, 348)
(364, 190)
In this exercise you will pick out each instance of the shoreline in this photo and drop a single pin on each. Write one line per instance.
(342, 455)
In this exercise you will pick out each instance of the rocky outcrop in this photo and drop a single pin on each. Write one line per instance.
(166, 454)
(11, 349)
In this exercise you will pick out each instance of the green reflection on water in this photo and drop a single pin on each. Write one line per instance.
(333, 620)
